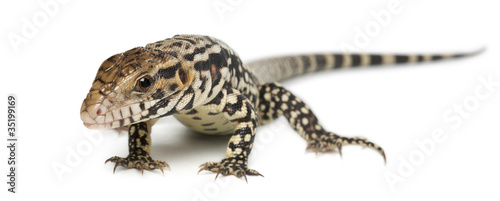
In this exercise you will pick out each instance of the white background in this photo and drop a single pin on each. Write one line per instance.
(53, 70)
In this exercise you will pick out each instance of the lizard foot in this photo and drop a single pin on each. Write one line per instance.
(331, 141)
(229, 166)
(140, 162)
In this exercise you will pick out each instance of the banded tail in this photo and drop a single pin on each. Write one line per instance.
(282, 68)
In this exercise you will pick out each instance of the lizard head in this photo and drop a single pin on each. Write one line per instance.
(134, 86)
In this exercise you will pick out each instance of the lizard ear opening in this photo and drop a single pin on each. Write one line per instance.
(183, 76)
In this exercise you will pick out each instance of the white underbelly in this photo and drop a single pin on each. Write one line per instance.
(205, 121)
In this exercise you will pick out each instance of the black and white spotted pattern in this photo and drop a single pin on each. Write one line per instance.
(276, 101)
(202, 82)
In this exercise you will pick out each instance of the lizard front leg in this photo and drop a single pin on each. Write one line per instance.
(139, 146)
(240, 111)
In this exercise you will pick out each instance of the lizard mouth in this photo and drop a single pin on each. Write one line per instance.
(104, 115)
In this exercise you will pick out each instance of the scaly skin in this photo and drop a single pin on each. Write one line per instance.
(203, 83)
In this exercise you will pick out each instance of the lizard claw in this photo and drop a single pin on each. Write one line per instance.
(339, 147)
(229, 166)
(161, 168)
(202, 167)
(116, 165)
(139, 162)
(217, 175)
(244, 174)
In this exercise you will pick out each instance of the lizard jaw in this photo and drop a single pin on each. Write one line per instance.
(100, 116)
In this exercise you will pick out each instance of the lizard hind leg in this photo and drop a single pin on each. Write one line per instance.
(275, 101)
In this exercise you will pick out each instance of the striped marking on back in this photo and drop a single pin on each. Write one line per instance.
(313, 64)
(400, 59)
(300, 65)
(306, 63)
(426, 58)
(447, 56)
(330, 61)
(338, 60)
(290, 66)
(320, 61)
(388, 59)
(375, 59)
(365, 60)
(355, 60)
(347, 61)
(412, 58)
(289, 62)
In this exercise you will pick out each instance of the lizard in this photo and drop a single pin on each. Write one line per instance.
(204, 84)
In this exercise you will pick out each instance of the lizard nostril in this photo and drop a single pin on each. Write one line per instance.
(99, 112)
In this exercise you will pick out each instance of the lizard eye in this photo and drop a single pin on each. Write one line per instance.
(144, 83)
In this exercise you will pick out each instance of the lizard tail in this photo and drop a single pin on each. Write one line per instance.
(285, 67)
